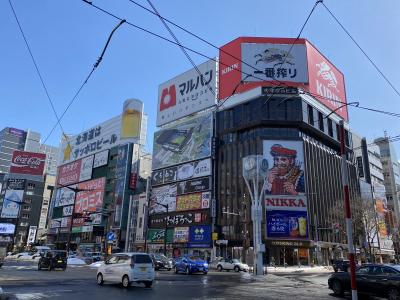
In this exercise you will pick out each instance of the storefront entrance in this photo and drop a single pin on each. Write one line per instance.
(282, 253)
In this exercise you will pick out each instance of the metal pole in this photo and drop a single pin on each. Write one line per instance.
(349, 223)
(148, 182)
(128, 225)
(165, 233)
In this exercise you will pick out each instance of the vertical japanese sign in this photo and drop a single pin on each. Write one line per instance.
(32, 234)
(121, 174)
(285, 200)
(69, 173)
(91, 198)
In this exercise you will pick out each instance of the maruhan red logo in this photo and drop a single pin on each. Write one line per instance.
(168, 97)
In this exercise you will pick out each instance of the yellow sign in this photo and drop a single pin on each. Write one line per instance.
(214, 236)
(131, 119)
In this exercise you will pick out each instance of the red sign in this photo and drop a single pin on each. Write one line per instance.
(92, 198)
(168, 97)
(27, 163)
(241, 70)
(326, 81)
(69, 173)
(133, 181)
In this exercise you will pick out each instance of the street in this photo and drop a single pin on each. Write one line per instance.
(22, 280)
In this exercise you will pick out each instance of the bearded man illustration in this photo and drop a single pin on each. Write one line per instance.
(286, 176)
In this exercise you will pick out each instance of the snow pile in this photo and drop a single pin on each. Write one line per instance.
(75, 261)
(96, 264)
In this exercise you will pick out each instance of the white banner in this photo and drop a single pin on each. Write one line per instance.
(101, 159)
(7, 228)
(195, 169)
(86, 168)
(68, 210)
(165, 195)
(12, 203)
(187, 93)
(32, 234)
(64, 196)
(270, 62)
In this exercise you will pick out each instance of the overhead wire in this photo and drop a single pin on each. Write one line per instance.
(36, 68)
(95, 66)
(362, 50)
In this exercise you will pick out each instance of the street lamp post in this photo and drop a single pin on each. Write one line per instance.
(255, 168)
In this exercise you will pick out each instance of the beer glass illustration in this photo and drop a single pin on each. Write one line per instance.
(302, 226)
(131, 119)
(293, 227)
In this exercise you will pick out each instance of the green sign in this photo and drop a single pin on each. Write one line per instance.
(157, 235)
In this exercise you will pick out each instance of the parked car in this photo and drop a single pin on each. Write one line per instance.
(127, 268)
(91, 257)
(232, 264)
(38, 250)
(161, 262)
(373, 279)
(52, 259)
(341, 265)
(191, 264)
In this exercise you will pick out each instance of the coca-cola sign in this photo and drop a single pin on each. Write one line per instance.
(28, 163)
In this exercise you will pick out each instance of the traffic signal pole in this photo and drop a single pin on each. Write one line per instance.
(349, 223)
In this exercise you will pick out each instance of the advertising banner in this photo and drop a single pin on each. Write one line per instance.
(16, 132)
(101, 159)
(193, 201)
(200, 234)
(68, 210)
(193, 186)
(287, 224)
(185, 141)
(16, 184)
(286, 167)
(181, 234)
(382, 215)
(157, 177)
(103, 136)
(91, 199)
(65, 222)
(326, 82)
(187, 93)
(272, 61)
(55, 223)
(180, 219)
(11, 204)
(121, 173)
(69, 173)
(64, 196)
(27, 163)
(7, 228)
(163, 195)
(133, 181)
(32, 234)
(194, 169)
(157, 235)
(170, 174)
(86, 168)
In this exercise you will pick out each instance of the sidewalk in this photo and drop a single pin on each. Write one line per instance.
(302, 269)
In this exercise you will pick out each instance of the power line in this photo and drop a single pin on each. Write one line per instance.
(362, 50)
(180, 45)
(213, 59)
(87, 78)
(36, 67)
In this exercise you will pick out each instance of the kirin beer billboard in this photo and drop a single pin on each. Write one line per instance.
(27, 163)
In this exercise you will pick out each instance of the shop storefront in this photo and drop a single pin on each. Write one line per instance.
(288, 253)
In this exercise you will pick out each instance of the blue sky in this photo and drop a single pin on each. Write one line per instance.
(67, 37)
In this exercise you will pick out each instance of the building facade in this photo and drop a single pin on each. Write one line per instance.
(10, 139)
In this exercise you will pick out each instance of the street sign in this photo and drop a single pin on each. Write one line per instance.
(221, 242)
(215, 236)
(110, 236)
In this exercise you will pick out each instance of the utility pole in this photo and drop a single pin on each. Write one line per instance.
(349, 223)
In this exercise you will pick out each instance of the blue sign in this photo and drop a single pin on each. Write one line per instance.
(200, 234)
(287, 224)
(110, 236)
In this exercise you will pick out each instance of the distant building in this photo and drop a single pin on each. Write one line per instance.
(10, 139)
(51, 158)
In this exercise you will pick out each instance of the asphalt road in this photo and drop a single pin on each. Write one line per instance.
(22, 281)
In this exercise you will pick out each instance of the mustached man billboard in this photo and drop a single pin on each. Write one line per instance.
(249, 62)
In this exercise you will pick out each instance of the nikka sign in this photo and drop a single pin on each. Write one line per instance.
(297, 203)
(28, 163)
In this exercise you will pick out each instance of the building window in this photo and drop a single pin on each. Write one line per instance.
(320, 121)
(24, 224)
(330, 128)
(310, 115)
(26, 207)
(27, 200)
(31, 186)
(338, 132)
(25, 216)
(140, 222)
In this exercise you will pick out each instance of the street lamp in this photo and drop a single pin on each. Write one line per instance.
(255, 169)
(166, 226)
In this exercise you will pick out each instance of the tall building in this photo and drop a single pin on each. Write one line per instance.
(99, 164)
(10, 139)
(391, 174)
(51, 158)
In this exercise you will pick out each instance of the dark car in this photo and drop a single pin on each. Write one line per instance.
(53, 259)
(372, 279)
(161, 262)
(191, 264)
(341, 265)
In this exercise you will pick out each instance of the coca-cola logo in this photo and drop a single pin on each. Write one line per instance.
(31, 162)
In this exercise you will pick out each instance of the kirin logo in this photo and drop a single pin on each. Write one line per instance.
(168, 97)
(327, 74)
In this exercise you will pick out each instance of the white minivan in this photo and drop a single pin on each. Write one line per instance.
(127, 268)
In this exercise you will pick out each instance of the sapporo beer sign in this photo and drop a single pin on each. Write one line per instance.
(193, 186)
(27, 163)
